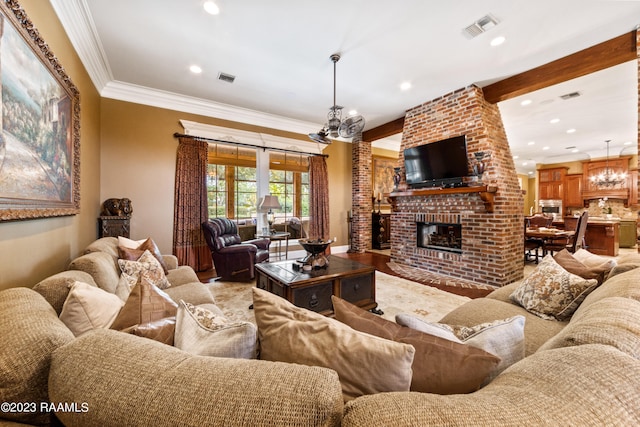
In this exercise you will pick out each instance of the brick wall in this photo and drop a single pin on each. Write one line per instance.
(492, 243)
(362, 190)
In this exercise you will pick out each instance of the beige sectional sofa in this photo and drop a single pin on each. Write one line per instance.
(583, 371)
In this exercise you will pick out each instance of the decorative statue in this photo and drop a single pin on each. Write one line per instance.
(396, 178)
(117, 207)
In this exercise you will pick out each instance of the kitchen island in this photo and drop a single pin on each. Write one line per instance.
(602, 236)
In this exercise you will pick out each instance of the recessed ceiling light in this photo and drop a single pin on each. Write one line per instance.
(524, 163)
(211, 8)
(405, 85)
(530, 172)
(628, 143)
(526, 102)
(195, 69)
(516, 157)
(498, 41)
(571, 130)
(554, 121)
(546, 147)
(575, 150)
(353, 112)
(531, 143)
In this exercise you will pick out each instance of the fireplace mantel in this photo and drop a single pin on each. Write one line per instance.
(485, 192)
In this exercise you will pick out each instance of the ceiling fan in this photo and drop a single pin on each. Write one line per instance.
(335, 126)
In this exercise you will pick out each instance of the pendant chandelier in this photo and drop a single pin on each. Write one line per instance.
(335, 126)
(608, 178)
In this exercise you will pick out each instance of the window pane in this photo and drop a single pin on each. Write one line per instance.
(245, 193)
(216, 190)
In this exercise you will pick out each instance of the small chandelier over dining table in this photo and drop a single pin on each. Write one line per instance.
(608, 178)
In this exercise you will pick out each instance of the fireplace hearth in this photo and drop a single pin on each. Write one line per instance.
(440, 236)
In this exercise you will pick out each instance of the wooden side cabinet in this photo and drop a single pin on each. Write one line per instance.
(113, 226)
(381, 231)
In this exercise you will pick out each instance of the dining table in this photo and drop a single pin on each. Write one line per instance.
(547, 234)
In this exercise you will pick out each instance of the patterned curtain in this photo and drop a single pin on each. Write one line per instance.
(319, 198)
(191, 205)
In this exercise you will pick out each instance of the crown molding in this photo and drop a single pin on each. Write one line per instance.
(80, 28)
(78, 24)
(172, 101)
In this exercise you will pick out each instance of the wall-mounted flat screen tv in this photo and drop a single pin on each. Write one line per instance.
(437, 164)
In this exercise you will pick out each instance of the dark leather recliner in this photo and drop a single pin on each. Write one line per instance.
(233, 259)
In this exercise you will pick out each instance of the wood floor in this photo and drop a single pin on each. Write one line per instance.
(379, 261)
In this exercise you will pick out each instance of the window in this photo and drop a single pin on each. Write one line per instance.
(289, 181)
(232, 187)
(231, 182)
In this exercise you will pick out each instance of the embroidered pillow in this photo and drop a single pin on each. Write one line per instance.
(551, 292)
(132, 250)
(503, 338)
(205, 333)
(146, 266)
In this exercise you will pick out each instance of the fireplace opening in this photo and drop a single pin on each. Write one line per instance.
(440, 236)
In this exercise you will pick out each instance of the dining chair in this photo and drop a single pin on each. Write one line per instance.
(570, 243)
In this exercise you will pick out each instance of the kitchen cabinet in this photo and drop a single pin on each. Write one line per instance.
(551, 183)
(573, 191)
(627, 233)
(618, 165)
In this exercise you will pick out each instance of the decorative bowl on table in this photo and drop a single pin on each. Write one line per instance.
(315, 252)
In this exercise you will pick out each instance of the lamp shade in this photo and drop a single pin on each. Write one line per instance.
(270, 202)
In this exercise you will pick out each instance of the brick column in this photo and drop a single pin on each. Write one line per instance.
(362, 193)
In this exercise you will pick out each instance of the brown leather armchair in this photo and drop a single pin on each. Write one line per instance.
(233, 259)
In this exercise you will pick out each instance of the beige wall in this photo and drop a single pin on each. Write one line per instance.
(34, 249)
(138, 161)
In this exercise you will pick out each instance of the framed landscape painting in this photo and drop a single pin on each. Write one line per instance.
(40, 127)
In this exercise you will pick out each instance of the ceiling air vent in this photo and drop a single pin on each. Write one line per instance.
(226, 77)
(571, 95)
(480, 26)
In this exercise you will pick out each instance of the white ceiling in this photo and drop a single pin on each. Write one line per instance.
(141, 51)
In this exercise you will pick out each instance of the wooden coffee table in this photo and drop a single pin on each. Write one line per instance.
(349, 280)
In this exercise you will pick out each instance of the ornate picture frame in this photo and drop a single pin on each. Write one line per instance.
(40, 127)
(382, 177)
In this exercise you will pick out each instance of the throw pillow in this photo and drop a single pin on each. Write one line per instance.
(440, 366)
(551, 292)
(572, 265)
(365, 364)
(144, 313)
(595, 261)
(89, 307)
(146, 266)
(503, 338)
(205, 333)
(125, 251)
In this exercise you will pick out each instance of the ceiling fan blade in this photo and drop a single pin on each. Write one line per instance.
(320, 137)
(351, 126)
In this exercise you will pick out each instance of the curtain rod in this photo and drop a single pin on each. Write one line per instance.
(242, 144)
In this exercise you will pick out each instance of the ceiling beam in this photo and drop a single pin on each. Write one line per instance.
(604, 55)
(388, 129)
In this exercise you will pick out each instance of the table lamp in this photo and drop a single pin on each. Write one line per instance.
(270, 202)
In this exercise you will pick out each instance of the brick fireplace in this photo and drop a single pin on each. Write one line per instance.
(490, 243)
